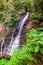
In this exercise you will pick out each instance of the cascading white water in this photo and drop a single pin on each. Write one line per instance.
(14, 44)
(2, 45)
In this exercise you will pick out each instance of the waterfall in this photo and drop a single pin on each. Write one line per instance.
(14, 43)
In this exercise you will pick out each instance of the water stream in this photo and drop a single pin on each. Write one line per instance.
(15, 43)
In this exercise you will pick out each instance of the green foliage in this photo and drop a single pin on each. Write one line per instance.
(8, 13)
(36, 40)
(13, 21)
(41, 5)
(29, 51)
(40, 29)
(3, 62)
(13, 7)
(1, 15)
(36, 15)
(26, 4)
(36, 21)
(34, 46)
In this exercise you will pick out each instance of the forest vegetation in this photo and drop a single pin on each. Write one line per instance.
(11, 12)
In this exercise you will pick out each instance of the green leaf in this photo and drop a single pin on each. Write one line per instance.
(37, 48)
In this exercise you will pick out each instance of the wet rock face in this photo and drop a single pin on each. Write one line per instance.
(2, 31)
(5, 56)
(29, 25)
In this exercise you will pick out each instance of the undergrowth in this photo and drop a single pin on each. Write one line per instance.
(29, 52)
